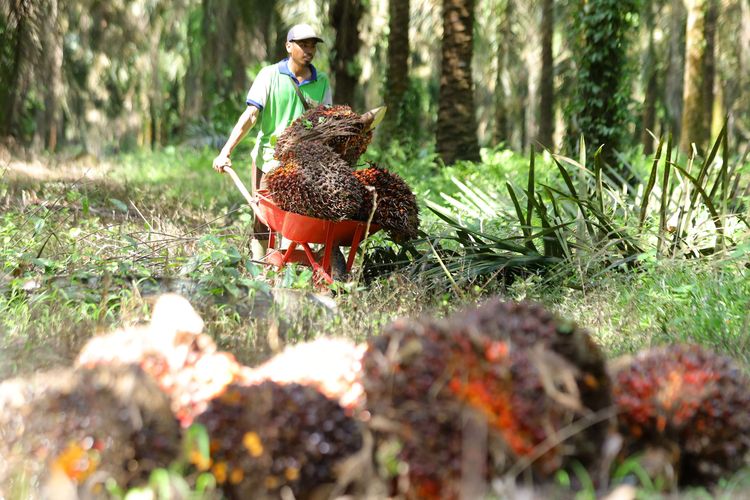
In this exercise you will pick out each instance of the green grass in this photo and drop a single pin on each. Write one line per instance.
(77, 262)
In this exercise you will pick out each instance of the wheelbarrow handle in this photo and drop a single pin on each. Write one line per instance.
(250, 199)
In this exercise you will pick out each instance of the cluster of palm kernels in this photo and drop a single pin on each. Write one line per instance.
(84, 427)
(314, 181)
(396, 206)
(268, 437)
(524, 383)
(689, 399)
(555, 343)
(338, 127)
(184, 362)
(317, 153)
(403, 373)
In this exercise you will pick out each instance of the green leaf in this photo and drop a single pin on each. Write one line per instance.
(530, 190)
(650, 185)
(197, 441)
(160, 481)
(119, 205)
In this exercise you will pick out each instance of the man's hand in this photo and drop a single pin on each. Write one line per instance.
(222, 161)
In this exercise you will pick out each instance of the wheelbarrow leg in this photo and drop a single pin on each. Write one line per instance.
(328, 248)
(316, 267)
(289, 252)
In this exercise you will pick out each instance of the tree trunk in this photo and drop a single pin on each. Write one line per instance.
(155, 101)
(547, 82)
(533, 70)
(18, 83)
(397, 70)
(502, 84)
(345, 17)
(55, 94)
(648, 121)
(675, 69)
(456, 124)
(699, 74)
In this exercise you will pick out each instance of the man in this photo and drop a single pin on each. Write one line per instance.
(274, 100)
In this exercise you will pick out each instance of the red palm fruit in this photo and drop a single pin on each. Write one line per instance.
(82, 427)
(331, 365)
(397, 210)
(270, 436)
(689, 399)
(510, 372)
(184, 362)
(338, 127)
(314, 181)
(404, 373)
(530, 326)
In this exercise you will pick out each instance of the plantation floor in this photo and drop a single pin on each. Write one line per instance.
(86, 246)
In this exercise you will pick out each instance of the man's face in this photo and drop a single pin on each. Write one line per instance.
(302, 51)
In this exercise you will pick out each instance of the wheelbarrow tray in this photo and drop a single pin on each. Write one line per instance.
(305, 229)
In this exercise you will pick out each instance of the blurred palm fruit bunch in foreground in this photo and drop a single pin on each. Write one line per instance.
(269, 437)
(331, 365)
(185, 363)
(690, 402)
(313, 180)
(512, 373)
(66, 432)
(396, 207)
(347, 133)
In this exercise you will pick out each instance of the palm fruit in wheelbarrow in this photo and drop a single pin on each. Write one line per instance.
(689, 402)
(313, 180)
(63, 434)
(184, 362)
(426, 381)
(269, 437)
(347, 133)
(396, 207)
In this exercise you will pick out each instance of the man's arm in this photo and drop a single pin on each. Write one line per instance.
(244, 124)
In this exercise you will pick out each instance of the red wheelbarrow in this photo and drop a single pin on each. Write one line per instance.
(303, 231)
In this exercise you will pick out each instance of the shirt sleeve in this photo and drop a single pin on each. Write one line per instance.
(258, 93)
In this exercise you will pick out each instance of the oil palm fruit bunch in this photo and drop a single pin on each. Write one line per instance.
(185, 363)
(75, 429)
(504, 365)
(331, 365)
(347, 133)
(268, 437)
(415, 420)
(551, 342)
(313, 180)
(396, 206)
(690, 401)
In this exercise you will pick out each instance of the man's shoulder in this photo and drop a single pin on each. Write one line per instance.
(268, 70)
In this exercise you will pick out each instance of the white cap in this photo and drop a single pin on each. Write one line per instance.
(302, 32)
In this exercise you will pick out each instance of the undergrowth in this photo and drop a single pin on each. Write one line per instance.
(80, 256)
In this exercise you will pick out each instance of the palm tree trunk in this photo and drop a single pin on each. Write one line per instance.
(648, 121)
(699, 73)
(397, 71)
(345, 17)
(54, 90)
(547, 83)
(456, 125)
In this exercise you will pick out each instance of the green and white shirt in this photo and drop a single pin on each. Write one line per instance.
(273, 94)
